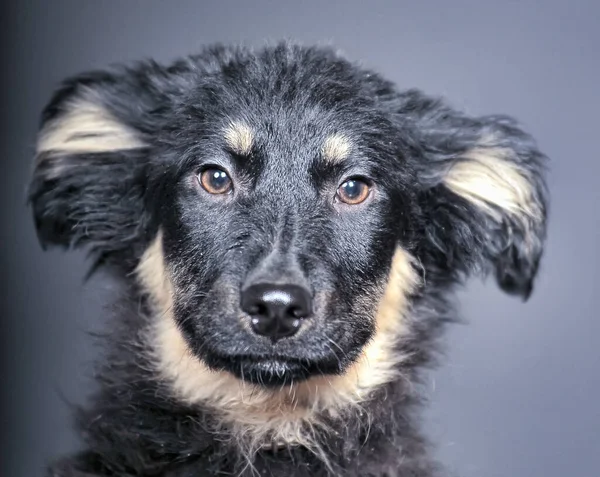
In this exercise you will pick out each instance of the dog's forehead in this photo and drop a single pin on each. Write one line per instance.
(301, 110)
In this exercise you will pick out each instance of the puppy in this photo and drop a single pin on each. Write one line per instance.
(286, 229)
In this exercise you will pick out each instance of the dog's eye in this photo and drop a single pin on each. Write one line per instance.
(353, 191)
(215, 181)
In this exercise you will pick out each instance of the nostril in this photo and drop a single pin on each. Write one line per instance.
(258, 309)
(296, 312)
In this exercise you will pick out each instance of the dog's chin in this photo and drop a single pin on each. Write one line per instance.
(272, 371)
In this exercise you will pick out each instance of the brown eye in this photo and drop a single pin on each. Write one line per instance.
(215, 181)
(353, 191)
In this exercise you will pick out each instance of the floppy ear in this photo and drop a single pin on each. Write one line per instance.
(90, 169)
(483, 191)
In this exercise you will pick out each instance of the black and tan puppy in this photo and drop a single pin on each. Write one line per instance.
(286, 228)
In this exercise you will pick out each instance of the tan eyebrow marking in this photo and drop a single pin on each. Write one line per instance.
(336, 148)
(239, 137)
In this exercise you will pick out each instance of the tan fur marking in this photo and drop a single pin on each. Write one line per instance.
(239, 137)
(378, 365)
(292, 413)
(336, 148)
(86, 127)
(484, 176)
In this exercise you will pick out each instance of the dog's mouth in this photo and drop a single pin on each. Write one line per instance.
(273, 370)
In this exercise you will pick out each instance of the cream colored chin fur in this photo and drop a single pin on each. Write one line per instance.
(85, 127)
(290, 414)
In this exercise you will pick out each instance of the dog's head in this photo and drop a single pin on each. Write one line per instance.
(284, 206)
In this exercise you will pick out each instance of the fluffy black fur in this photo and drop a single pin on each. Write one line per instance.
(281, 222)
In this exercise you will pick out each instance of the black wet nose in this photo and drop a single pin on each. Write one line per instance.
(276, 311)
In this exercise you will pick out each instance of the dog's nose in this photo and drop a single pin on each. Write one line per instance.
(277, 311)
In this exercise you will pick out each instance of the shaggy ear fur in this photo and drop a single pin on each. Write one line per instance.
(484, 195)
(92, 151)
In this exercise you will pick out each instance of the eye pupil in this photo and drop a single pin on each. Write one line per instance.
(215, 181)
(219, 179)
(353, 191)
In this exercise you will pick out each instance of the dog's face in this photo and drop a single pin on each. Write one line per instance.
(280, 227)
(281, 219)
(283, 186)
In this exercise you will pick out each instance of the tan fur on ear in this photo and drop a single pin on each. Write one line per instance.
(487, 177)
(85, 127)
(291, 414)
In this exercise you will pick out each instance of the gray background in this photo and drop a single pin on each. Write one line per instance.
(518, 393)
